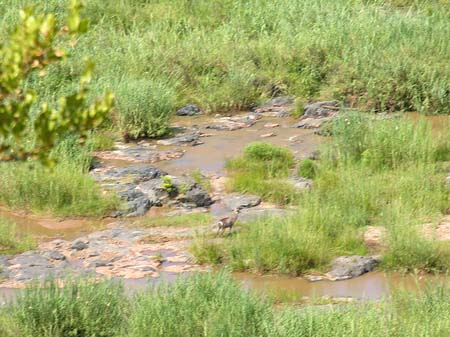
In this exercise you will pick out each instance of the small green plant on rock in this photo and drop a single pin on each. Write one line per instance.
(168, 184)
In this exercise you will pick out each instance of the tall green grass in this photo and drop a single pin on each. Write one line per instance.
(215, 305)
(385, 173)
(222, 55)
(65, 189)
(262, 170)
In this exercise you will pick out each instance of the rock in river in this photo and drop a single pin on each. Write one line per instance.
(346, 267)
(188, 110)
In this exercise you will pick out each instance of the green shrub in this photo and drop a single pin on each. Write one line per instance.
(202, 305)
(81, 309)
(66, 189)
(145, 108)
(262, 170)
(307, 168)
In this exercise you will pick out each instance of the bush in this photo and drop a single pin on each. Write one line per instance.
(145, 108)
(66, 189)
(262, 170)
(80, 309)
(307, 168)
(202, 305)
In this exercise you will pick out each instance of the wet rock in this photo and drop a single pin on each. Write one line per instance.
(346, 267)
(191, 139)
(235, 122)
(53, 255)
(198, 196)
(240, 201)
(136, 173)
(271, 125)
(188, 110)
(267, 135)
(140, 154)
(312, 122)
(100, 263)
(138, 207)
(79, 245)
(277, 107)
(320, 109)
(156, 191)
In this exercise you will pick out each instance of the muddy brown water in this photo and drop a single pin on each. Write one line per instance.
(211, 156)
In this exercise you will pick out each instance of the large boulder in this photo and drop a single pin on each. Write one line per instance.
(347, 267)
(188, 110)
(190, 192)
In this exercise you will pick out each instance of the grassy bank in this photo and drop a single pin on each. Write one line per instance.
(214, 305)
(387, 173)
(65, 189)
(222, 55)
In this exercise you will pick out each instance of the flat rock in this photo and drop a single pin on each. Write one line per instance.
(312, 122)
(132, 173)
(235, 122)
(277, 107)
(140, 154)
(240, 201)
(191, 139)
(267, 135)
(375, 236)
(347, 267)
(188, 110)
(79, 245)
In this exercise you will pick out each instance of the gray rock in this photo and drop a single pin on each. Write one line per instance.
(188, 110)
(53, 255)
(239, 201)
(197, 196)
(140, 154)
(277, 107)
(279, 101)
(346, 267)
(79, 245)
(139, 173)
(138, 206)
(100, 263)
(191, 139)
(156, 192)
(320, 109)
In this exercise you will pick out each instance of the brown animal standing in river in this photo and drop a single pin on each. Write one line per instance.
(227, 222)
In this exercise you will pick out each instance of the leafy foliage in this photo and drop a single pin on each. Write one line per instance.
(32, 47)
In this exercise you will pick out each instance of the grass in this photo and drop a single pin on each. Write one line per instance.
(227, 55)
(216, 305)
(11, 241)
(185, 220)
(65, 189)
(385, 173)
(262, 170)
